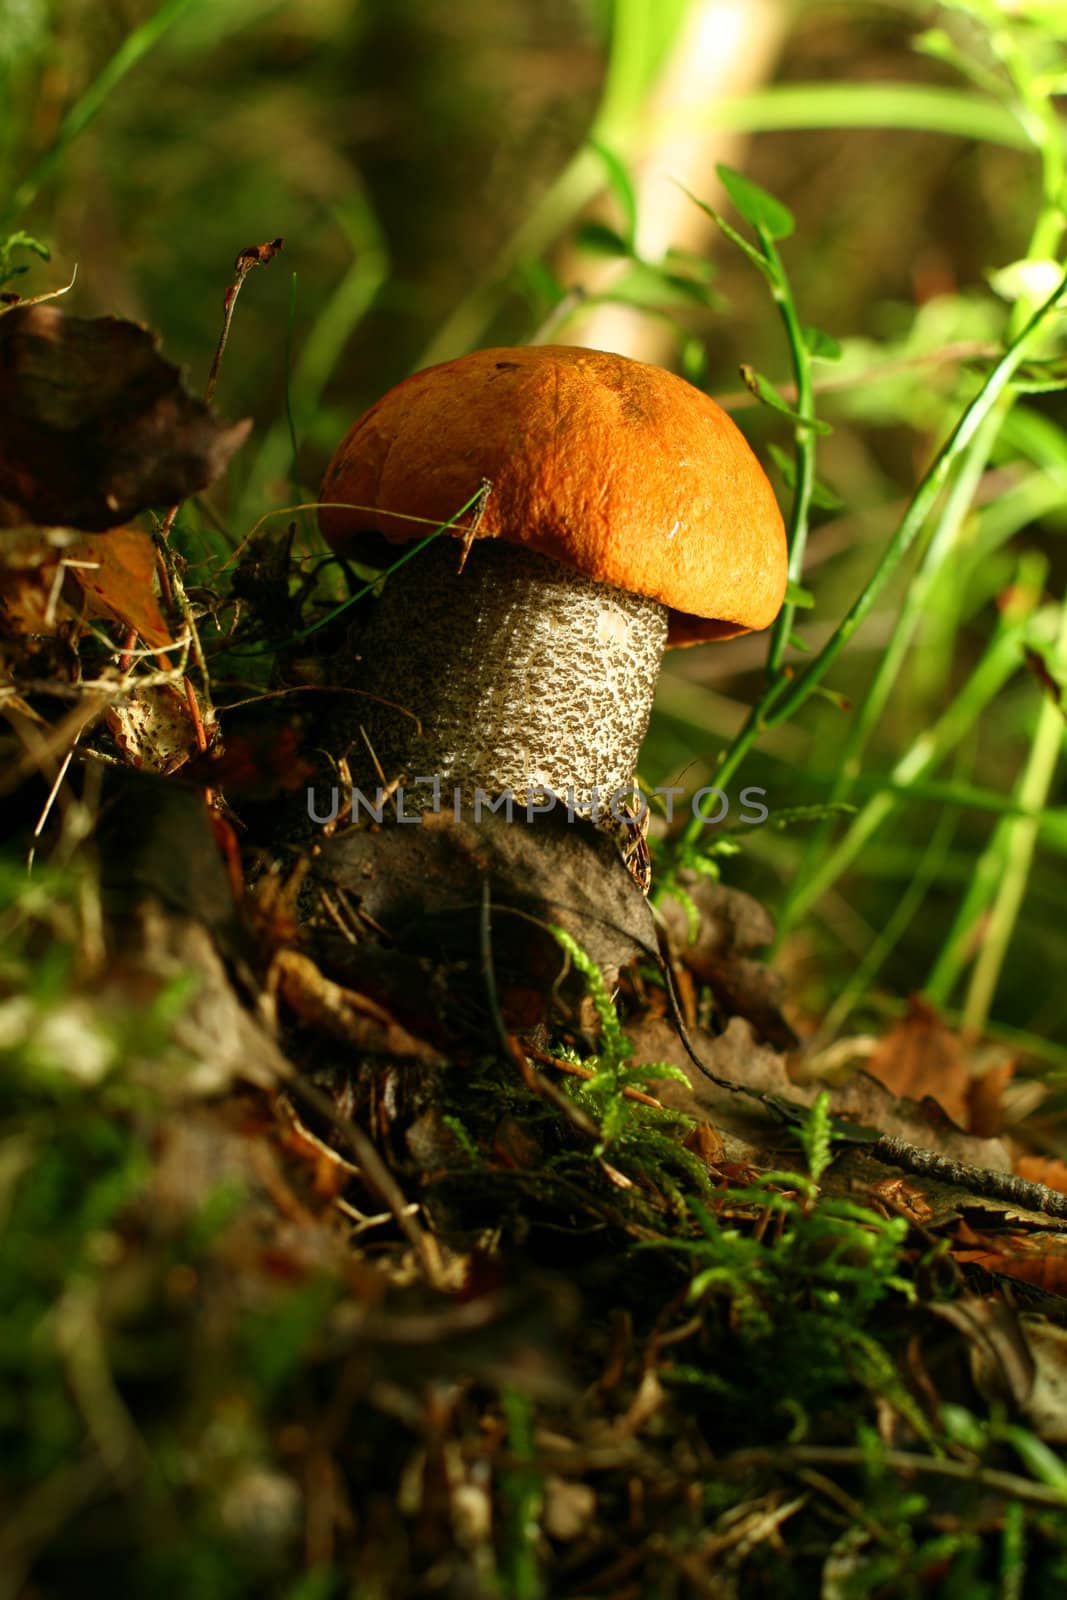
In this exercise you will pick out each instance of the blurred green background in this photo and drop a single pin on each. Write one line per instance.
(429, 166)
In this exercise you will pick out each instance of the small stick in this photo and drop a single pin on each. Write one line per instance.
(253, 255)
(171, 588)
(577, 1071)
(983, 1181)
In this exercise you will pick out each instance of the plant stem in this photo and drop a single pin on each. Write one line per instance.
(1013, 851)
(804, 439)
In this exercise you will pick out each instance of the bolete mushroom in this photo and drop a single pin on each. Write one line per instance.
(624, 512)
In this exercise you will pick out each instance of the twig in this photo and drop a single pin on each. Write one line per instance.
(171, 586)
(254, 255)
(984, 1181)
(375, 1174)
(577, 1071)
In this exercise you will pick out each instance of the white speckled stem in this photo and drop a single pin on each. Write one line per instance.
(521, 673)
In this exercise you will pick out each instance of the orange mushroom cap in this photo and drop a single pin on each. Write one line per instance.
(610, 466)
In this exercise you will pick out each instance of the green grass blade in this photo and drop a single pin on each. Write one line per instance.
(1013, 852)
(89, 103)
(1000, 661)
(969, 425)
(920, 107)
(641, 35)
(914, 606)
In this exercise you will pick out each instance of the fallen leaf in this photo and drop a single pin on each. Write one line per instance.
(256, 765)
(424, 886)
(342, 1013)
(1043, 1169)
(922, 1056)
(985, 1098)
(118, 582)
(95, 425)
(53, 577)
(905, 1198)
(1038, 1258)
(153, 729)
(1002, 1364)
(1046, 1404)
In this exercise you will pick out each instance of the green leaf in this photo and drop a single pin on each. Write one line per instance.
(597, 236)
(757, 259)
(1032, 377)
(19, 241)
(1041, 377)
(622, 188)
(26, 241)
(639, 284)
(1041, 1462)
(762, 210)
(963, 1427)
(697, 293)
(742, 243)
(820, 345)
(694, 359)
(1031, 278)
(796, 595)
(840, 702)
(822, 495)
(764, 390)
(691, 262)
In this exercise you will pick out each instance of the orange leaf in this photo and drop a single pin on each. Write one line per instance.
(1043, 1169)
(119, 583)
(921, 1056)
(1037, 1258)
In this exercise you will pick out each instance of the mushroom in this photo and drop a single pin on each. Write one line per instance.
(624, 513)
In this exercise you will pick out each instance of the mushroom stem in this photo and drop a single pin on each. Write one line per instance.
(523, 675)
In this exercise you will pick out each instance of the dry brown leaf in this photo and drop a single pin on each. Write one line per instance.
(985, 1099)
(1043, 1169)
(905, 1198)
(49, 576)
(921, 1056)
(731, 927)
(118, 582)
(1046, 1405)
(95, 425)
(1001, 1361)
(153, 729)
(342, 1013)
(1037, 1258)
